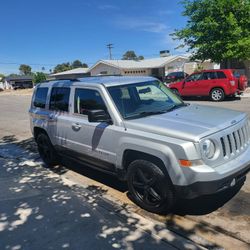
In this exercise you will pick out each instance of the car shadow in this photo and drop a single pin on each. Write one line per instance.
(99, 176)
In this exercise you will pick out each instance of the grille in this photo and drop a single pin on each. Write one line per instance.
(235, 142)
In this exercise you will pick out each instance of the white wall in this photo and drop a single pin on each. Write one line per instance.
(104, 68)
(176, 65)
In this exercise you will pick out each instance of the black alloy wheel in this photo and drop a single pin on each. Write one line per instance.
(149, 187)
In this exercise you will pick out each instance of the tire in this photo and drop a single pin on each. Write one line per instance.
(46, 150)
(149, 187)
(176, 92)
(217, 95)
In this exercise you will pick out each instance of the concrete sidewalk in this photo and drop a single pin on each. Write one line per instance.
(41, 210)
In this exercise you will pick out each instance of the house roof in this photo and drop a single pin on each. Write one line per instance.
(16, 78)
(142, 64)
(72, 71)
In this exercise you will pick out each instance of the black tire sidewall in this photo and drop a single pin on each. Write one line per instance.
(53, 156)
(162, 180)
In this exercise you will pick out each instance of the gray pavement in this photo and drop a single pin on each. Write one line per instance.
(41, 210)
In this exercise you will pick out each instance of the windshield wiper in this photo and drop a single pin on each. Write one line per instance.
(146, 113)
(176, 106)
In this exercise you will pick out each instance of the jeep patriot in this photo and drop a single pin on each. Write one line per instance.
(139, 130)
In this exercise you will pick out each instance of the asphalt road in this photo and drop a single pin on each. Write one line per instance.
(227, 213)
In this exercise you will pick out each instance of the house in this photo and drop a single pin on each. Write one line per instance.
(157, 67)
(71, 74)
(18, 82)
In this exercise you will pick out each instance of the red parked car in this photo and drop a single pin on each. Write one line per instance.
(217, 84)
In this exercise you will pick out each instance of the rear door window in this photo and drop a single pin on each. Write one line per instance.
(209, 75)
(40, 97)
(59, 99)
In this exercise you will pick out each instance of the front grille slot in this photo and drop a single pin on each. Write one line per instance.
(223, 146)
(235, 142)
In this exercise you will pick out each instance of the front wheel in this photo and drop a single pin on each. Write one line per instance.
(149, 187)
(217, 95)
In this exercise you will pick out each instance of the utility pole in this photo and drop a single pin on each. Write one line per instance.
(110, 46)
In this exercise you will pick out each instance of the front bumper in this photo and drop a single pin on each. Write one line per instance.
(210, 187)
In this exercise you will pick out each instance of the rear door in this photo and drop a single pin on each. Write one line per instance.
(59, 114)
(207, 81)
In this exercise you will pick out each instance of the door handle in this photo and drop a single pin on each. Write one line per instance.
(76, 126)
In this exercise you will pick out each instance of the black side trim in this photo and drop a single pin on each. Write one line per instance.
(210, 187)
(86, 159)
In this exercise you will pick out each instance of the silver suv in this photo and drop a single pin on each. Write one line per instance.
(136, 128)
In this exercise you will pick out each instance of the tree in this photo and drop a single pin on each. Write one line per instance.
(39, 77)
(62, 67)
(216, 29)
(1, 76)
(68, 66)
(25, 69)
(140, 58)
(130, 55)
(76, 64)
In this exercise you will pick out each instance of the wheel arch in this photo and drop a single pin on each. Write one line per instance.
(130, 155)
(38, 130)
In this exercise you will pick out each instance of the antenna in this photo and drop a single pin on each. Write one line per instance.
(110, 47)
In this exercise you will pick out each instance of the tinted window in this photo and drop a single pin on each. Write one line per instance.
(221, 75)
(40, 97)
(209, 75)
(193, 77)
(59, 99)
(88, 99)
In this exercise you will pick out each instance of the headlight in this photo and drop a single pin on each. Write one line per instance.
(208, 148)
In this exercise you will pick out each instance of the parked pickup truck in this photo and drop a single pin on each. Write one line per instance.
(217, 84)
(137, 129)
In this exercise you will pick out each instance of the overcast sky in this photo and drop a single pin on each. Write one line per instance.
(45, 33)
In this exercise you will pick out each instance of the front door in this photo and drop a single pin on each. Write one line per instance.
(191, 85)
(93, 142)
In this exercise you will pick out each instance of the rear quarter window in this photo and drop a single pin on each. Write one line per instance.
(221, 75)
(40, 97)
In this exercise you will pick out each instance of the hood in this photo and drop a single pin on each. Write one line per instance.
(190, 123)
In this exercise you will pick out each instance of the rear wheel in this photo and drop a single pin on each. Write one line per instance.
(149, 187)
(46, 150)
(217, 94)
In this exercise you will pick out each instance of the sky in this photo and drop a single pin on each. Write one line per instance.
(44, 33)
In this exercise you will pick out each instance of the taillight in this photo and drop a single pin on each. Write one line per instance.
(232, 82)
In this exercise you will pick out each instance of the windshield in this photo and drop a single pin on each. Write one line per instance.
(144, 98)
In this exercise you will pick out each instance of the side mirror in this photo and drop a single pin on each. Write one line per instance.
(99, 116)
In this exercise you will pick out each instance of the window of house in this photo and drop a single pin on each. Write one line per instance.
(59, 99)
(104, 72)
(40, 97)
(88, 99)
